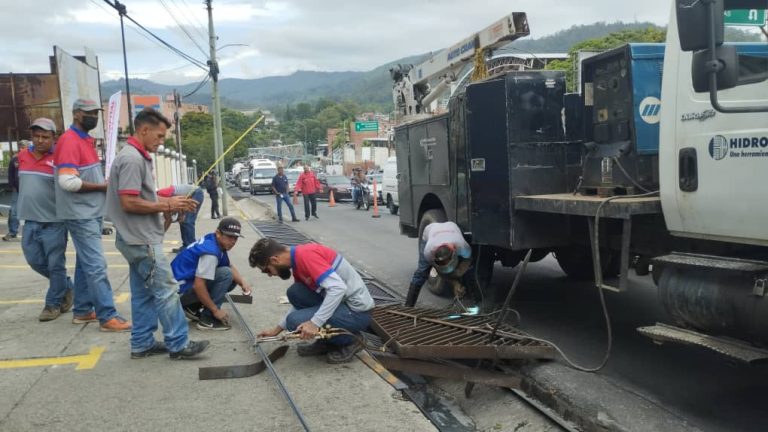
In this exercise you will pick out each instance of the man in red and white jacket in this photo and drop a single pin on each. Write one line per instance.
(309, 186)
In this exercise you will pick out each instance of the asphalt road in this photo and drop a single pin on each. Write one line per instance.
(699, 389)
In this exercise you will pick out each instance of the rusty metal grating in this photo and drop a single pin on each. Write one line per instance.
(432, 333)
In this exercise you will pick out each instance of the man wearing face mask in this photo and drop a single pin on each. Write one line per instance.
(80, 204)
(443, 247)
(327, 290)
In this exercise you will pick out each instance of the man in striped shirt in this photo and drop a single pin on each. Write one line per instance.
(45, 238)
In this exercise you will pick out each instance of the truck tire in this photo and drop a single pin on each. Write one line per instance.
(435, 283)
(576, 263)
(391, 206)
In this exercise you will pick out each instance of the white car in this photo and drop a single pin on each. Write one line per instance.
(389, 181)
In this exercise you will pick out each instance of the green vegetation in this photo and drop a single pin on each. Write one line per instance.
(612, 40)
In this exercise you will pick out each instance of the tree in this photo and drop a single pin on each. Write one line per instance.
(612, 40)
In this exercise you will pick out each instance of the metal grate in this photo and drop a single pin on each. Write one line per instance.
(432, 333)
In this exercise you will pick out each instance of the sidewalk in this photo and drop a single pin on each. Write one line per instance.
(117, 393)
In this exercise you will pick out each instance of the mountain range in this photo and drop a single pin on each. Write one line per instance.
(370, 88)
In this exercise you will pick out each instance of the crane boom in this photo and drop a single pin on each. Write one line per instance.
(411, 90)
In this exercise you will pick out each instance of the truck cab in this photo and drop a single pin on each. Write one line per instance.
(261, 173)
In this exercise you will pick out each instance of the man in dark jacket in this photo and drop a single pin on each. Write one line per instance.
(280, 189)
(212, 186)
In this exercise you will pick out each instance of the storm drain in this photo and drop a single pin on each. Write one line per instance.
(288, 236)
(422, 333)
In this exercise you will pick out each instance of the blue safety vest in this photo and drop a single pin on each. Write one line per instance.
(184, 266)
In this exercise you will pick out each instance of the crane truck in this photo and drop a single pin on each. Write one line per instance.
(658, 171)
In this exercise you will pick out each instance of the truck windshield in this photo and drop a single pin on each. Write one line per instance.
(264, 172)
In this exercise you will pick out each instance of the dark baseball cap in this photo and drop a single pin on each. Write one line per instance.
(231, 227)
(86, 105)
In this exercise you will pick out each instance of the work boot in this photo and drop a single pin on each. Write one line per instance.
(344, 354)
(157, 348)
(83, 319)
(49, 313)
(117, 324)
(193, 349)
(9, 237)
(316, 348)
(413, 294)
(66, 302)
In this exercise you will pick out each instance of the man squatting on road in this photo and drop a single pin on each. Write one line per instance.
(326, 290)
(136, 211)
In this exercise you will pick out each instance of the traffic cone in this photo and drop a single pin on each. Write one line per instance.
(331, 201)
(375, 201)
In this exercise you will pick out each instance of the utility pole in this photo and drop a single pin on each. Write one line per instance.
(177, 127)
(214, 71)
(121, 10)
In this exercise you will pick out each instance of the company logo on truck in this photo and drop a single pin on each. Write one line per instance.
(738, 147)
(649, 109)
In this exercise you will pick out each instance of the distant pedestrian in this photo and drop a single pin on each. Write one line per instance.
(45, 238)
(187, 220)
(13, 181)
(135, 209)
(326, 290)
(80, 200)
(308, 185)
(206, 276)
(212, 186)
(280, 189)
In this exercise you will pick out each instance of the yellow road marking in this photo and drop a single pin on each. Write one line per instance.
(70, 266)
(120, 298)
(83, 361)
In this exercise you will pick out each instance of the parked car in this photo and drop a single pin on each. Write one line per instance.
(389, 185)
(342, 187)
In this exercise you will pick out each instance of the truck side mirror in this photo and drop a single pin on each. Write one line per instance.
(693, 23)
(726, 66)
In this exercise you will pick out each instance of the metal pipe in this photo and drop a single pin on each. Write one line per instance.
(268, 363)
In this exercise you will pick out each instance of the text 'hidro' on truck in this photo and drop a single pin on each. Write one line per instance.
(664, 173)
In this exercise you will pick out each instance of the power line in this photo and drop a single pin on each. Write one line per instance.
(177, 51)
(199, 86)
(197, 25)
(181, 26)
(152, 41)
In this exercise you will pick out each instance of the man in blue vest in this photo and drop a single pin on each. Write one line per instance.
(206, 276)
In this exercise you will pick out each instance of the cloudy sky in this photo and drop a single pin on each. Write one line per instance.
(280, 36)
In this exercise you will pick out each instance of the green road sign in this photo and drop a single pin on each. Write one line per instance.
(367, 126)
(745, 17)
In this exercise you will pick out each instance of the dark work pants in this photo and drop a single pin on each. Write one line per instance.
(310, 199)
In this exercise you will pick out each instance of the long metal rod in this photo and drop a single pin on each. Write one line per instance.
(270, 366)
(121, 10)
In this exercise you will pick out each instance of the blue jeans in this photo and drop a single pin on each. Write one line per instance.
(306, 302)
(187, 227)
(13, 218)
(280, 198)
(421, 274)
(44, 245)
(217, 289)
(92, 288)
(153, 297)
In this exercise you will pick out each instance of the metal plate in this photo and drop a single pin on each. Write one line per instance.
(728, 347)
(240, 371)
(430, 333)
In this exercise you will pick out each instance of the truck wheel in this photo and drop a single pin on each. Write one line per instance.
(576, 262)
(435, 283)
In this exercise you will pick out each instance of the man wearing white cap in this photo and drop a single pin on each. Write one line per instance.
(45, 237)
(80, 204)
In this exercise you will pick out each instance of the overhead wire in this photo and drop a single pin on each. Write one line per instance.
(177, 51)
(199, 86)
(197, 25)
(182, 27)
